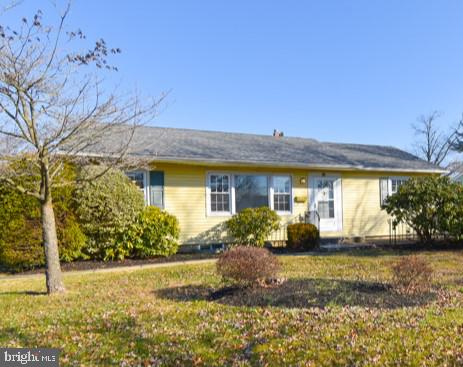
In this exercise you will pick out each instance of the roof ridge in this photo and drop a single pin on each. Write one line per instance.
(285, 137)
(363, 145)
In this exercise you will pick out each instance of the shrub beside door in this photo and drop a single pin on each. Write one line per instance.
(303, 236)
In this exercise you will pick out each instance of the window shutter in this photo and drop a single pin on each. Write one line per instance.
(383, 189)
(157, 188)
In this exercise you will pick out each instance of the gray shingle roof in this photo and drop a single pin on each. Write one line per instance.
(169, 144)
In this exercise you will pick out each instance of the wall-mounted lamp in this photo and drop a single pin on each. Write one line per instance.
(302, 181)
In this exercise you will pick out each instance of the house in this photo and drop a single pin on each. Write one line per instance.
(204, 177)
(456, 172)
(458, 177)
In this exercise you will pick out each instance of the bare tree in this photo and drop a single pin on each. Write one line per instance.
(8, 5)
(457, 144)
(433, 145)
(53, 109)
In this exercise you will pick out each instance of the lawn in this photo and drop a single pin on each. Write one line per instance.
(332, 310)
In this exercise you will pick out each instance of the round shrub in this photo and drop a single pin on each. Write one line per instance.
(107, 206)
(252, 226)
(247, 266)
(71, 240)
(302, 236)
(155, 233)
(21, 235)
(411, 275)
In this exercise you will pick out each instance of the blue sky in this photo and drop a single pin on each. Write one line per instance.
(343, 71)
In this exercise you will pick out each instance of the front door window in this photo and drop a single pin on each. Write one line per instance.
(325, 199)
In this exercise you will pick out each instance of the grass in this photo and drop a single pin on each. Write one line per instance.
(334, 310)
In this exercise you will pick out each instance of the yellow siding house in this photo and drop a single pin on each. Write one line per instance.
(204, 177)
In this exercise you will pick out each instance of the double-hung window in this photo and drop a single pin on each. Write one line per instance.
(219, 193)
(151, 184)
(396, 183)
(282, 193)
(139, 178)
(231, 193)
(389, 186)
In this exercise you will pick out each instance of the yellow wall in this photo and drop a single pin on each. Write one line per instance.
(185, 197)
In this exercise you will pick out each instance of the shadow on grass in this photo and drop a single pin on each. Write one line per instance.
(23, 293)
(18, 335)
(117, 332)
(302, 293)
(397, 250)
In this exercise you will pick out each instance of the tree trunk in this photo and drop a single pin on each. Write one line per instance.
(50, 242)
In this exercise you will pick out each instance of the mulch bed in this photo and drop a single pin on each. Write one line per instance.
(308, 293)
(94, 265)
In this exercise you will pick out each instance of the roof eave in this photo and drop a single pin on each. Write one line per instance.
(294, 165)
(212, 162)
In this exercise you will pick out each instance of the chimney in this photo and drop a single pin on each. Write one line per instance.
(277, 133)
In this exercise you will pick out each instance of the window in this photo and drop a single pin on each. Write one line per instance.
(389, 186)
(250, 192)
(396, 183)
(157, 189)
(138, 178)
(282, 193)
(325, 199)
(151, 183)
(220, 193)
(231, 193)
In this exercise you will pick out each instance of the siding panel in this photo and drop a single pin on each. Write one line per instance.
(185, 197)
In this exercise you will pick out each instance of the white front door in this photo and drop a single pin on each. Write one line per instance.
(325, 199)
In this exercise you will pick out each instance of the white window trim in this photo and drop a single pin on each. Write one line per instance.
(389, 183)
(232, 203)
(211, 213)
(272, 195)
(146, 184)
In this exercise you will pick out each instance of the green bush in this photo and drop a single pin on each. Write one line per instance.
(71, 240)
(430, 206)
(155, 233)
(21, 235)
(302, 236)
(107, 207)
(252, 226)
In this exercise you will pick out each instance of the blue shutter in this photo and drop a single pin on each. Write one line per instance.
(157, 188)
